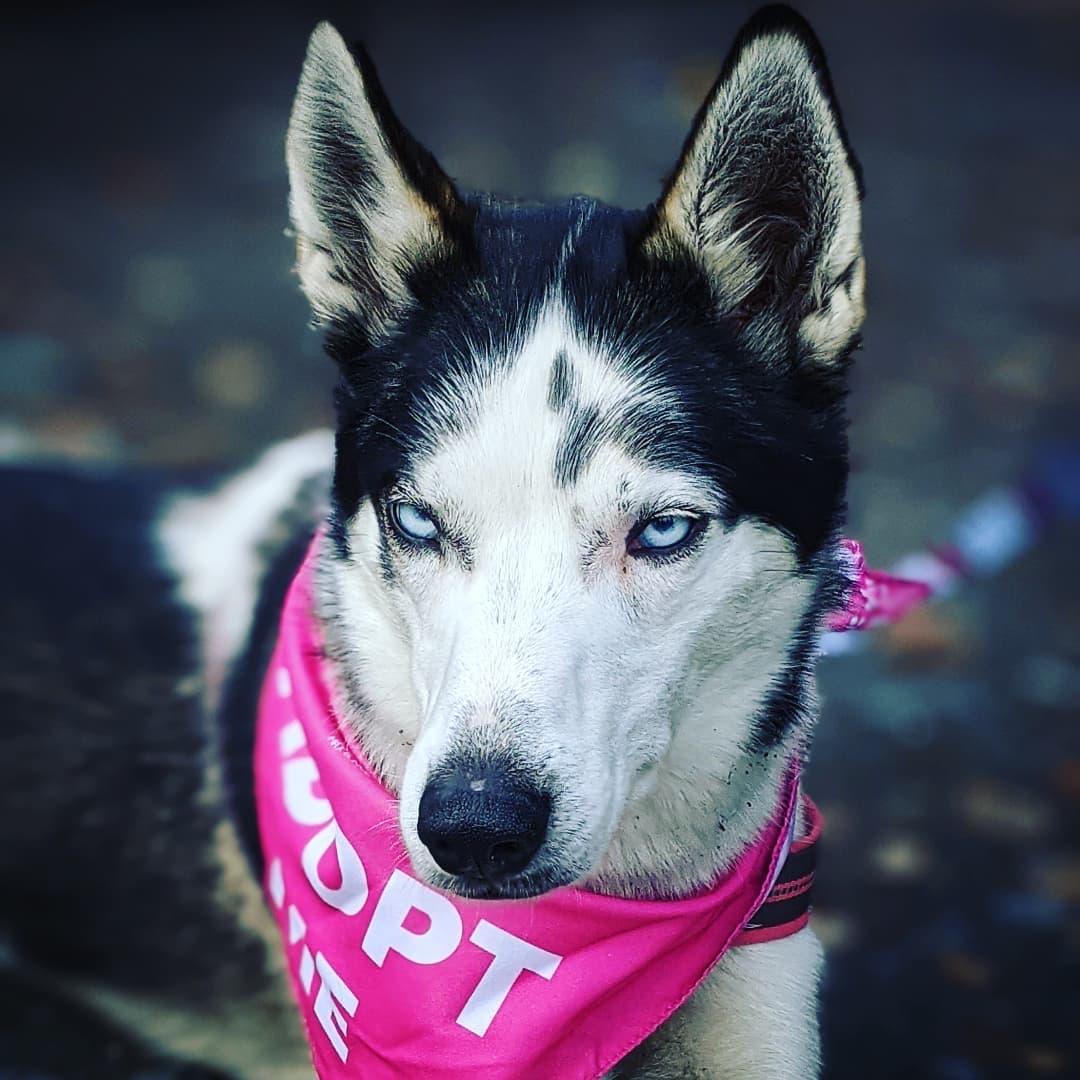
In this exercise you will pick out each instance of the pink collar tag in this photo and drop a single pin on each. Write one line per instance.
(396, 979)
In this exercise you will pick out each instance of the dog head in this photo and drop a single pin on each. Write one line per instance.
(590, 463)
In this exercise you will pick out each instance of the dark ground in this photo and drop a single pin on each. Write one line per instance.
(147, 313)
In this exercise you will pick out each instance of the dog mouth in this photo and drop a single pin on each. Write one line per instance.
(534, 882)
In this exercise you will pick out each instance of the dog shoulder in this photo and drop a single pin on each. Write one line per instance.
(221, 543)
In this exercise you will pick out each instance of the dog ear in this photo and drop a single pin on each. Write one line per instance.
(765, 199)
(370, 206)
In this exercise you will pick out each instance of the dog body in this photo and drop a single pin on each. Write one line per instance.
(587, 481)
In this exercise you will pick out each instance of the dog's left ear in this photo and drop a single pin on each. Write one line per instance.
(370, 206)
(765, 199)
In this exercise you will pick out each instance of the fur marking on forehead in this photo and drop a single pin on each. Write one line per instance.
(561, 385)
(553, 405)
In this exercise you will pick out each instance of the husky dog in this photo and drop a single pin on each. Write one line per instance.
(587, 478)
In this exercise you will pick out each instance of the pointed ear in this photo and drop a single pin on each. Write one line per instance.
(369, 205)
(765, 198)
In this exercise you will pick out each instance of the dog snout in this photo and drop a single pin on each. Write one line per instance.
(482, 821)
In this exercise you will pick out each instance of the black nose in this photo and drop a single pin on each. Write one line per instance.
(481, 821)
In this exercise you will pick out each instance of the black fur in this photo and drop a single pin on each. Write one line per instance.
(584, 431)
(240, 699)
(780, 17)
(106, 749)
(752, 415)
(741, 421)
(561, 385)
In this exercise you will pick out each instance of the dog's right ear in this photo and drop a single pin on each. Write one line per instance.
(370, 206)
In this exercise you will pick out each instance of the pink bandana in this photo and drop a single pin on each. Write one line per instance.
(876, 596)
(397, 979)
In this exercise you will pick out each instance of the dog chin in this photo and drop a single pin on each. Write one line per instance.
(531, 883)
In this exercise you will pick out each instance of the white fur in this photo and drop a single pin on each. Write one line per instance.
(212, 542)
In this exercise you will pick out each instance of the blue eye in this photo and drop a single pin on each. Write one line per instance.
(412, 522)
(664, 532)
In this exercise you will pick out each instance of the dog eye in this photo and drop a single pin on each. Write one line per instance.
(412, 522)
(665, 532)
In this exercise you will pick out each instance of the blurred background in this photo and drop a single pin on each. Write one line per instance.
(148, 314)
